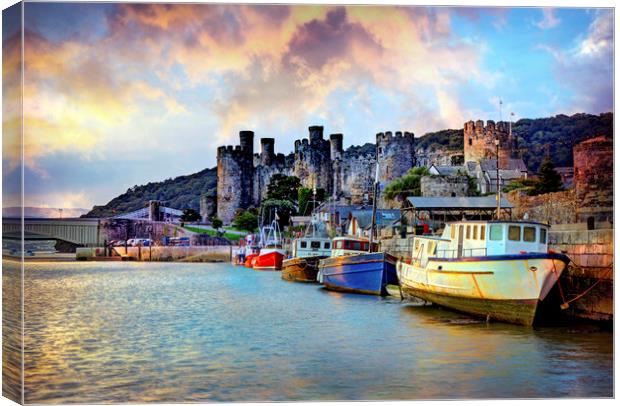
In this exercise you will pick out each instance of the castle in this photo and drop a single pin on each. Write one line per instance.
(243, 176)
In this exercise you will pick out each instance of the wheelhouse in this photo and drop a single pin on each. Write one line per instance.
(481, 239)
(311, 246)
(351, 246)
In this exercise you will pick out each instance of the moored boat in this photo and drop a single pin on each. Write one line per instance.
(307, 251)
(355, 268)
(271, 253)
(496, 269)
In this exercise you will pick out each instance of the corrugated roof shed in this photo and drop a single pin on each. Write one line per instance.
(482, 202)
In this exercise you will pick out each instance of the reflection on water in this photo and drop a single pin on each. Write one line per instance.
(112, 332)
(11, 330)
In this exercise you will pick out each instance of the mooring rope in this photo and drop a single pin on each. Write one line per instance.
(600, 278)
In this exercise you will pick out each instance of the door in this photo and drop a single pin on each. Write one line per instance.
(460, 242)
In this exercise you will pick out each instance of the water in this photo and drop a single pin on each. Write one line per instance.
(129, 332)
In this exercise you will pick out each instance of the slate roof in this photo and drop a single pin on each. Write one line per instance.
(447, 170)
(489, 164)
(384, 217)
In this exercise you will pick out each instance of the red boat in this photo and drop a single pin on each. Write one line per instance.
(271, 254)
(270, 259)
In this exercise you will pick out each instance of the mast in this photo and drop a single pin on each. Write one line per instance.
(373, 224)
(499, 191)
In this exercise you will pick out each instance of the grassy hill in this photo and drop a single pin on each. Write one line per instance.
(180, 193)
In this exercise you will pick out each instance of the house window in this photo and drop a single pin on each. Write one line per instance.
(543, 235)
(482, 230)
(529, 234)
(514, 233)
(496, 232)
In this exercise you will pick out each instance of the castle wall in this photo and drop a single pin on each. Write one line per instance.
(356, 174)
(235, 169)
(312, 161)
(444, 186)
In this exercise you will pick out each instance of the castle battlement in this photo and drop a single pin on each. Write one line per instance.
(479, 140)
(243, 175)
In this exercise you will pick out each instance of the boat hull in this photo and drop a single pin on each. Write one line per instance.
(249, 260)
(367, 273)
(504, 288)
(301, 269)
(269, 261)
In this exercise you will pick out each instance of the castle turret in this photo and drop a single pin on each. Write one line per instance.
(267, 151)
(335, 143)
(235, 172)
(479, 142)
(316, 134)
(395, 154)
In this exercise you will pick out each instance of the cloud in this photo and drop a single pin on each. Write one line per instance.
(587, 68)
(549, 20)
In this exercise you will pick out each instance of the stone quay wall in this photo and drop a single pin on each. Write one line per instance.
(590, 272)
(552, 208)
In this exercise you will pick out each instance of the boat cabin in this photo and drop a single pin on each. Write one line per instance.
(311, 246)
(349, 245)
(481, 239)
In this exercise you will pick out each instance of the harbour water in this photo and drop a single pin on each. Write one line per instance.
(170, 332)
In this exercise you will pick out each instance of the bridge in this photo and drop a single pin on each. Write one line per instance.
(80, 231)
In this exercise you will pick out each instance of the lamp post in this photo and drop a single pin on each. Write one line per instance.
(499, 193)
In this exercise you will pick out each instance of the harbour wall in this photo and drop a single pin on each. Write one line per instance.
(588, 283)
(215, 253)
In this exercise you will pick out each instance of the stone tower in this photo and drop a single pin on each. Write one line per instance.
(593, 162)
(267, 151)
(312, 160)
(235, 171)
(395, 154)
(479, 142)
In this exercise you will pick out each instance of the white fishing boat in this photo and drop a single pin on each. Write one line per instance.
(496, 269)
(307, 251)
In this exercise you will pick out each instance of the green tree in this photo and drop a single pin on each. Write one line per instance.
(190, 215)
(282, 187)
(216, 222)
(407, 185)
(549, 180)
(304, 200)
(284, 208)
(246, 221)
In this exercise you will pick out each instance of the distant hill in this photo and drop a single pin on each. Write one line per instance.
(179, 193)
(447, 139)
(43, 212)
(560, 133)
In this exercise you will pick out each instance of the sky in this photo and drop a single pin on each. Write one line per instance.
(117, 95)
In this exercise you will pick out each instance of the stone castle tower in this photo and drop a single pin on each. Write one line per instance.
(396, 154)
(243, 176)
(235, 169)
(479, 142)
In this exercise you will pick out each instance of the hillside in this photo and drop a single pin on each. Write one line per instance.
(179, 193)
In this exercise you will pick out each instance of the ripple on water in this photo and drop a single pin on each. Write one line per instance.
(120, 332)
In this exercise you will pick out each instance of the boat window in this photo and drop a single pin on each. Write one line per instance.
(475, 233)
(529, 234)
(514, 233)
(452, 231)
(543, 235)
(303, 244)
(417, 244)
(357, 245)
(326, 246)
(467, 234)
(315, 244)
(482, 230)
(365, 246)
(496, 232)
(431, 248)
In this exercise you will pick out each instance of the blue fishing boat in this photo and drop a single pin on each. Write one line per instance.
(353, 268)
